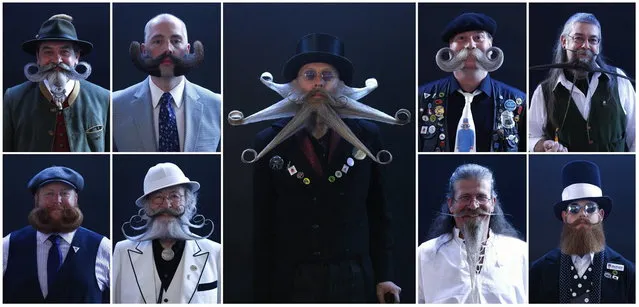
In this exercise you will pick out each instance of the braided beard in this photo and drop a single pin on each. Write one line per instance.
(473, 231)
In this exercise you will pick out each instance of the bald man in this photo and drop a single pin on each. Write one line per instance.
(166, 112)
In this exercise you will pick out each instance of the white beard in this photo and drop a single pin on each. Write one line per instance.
(473, 232)
(166, 228)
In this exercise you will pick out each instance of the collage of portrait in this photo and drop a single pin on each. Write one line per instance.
(242, 152)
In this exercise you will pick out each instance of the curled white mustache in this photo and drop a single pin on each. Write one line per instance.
(42, 72)
(177, 228)
(448, 60)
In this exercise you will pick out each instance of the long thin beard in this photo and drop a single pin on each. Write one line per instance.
(582, 241)
(474, 231)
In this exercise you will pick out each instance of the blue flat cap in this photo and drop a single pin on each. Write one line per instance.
(56, 174)
(469, 22)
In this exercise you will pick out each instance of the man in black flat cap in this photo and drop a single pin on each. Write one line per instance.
(321, 221)
(55, 260)
(583, 269)
(56, 109)
(469, 111)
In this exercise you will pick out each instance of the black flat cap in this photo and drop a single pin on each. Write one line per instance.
(469, 22)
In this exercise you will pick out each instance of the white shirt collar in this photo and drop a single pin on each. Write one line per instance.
(576, 258)
(176, 92)
(67, 88)
(459, 240)
(568, 83)
(66, 236)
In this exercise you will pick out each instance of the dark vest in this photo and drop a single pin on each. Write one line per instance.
(76, 282)
(603, 130)
(433, 125)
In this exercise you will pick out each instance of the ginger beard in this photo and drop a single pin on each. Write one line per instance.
(58, 219)
(582, 237)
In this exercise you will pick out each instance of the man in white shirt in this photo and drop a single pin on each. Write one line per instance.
(55, 260)
(576, 110)
(584, 269)
(474, 255)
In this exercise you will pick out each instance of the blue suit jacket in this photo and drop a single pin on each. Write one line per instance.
(544, 279)
(133, 119)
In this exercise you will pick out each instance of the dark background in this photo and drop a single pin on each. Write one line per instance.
(380, 41)
(617, 181)
(202, 23)
(93, 200)
(21, 22)
(128, 185)
(617, 33)
(510, 37)
(509, 172)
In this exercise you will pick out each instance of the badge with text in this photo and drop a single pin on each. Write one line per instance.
(614, 266)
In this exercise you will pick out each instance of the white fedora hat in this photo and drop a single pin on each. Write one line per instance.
(164, 175)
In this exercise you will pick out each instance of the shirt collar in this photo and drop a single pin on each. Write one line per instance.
(176, 92)
(66, 236)
(568, 83)
(67, 88)
(484, 86)
(575, 257)
(456, 237)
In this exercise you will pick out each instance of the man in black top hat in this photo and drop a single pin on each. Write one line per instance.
(321, 222)
(470, 99)
(56, 110)
(55, 260)
(583, 269)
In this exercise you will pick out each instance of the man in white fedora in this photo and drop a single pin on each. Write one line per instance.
(583, 269)
(164, 262)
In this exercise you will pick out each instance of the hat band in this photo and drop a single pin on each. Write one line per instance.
(580, 190)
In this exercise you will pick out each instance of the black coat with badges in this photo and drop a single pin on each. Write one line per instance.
(300, 219)
(544, 279)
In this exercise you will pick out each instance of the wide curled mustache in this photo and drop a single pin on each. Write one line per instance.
(448, 60)
(70, 220)
(151, 66)
(36, 73)
(143, 226)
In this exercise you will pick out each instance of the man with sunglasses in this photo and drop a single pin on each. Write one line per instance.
(474, 254)
(578, 110)
(583, 269)
(321, 222)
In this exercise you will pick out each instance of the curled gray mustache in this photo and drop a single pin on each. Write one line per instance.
(36, 73)
(448, 60)
(470, 212)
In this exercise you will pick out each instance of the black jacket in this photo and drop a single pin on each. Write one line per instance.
(322, 221)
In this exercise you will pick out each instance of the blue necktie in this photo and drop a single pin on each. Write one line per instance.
(54, 261)
(169, 139)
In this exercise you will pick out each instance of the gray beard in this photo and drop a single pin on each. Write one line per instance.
(172, 228)
(473, 231)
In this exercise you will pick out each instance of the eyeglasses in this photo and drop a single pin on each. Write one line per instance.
(52, 195)
(173, 198)
(326, 75)
(466, 199)
(589, 208)
(580, 40)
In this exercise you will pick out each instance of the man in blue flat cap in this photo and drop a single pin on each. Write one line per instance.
(583, 269)
(55, 260)
(470, 99)
(56, 109)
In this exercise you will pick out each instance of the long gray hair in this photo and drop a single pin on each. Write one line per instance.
(560, 56)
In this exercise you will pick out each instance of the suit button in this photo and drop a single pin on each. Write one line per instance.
(51, 132)
(315, 227)
(166, 300)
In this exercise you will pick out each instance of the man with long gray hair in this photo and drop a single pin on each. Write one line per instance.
(474, 254)
(166, 262)
(586, 106)
(56, 109)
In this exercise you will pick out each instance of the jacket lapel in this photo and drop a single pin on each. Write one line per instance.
(142, 265)
(142, 117)
(194, 263)
(192, 116)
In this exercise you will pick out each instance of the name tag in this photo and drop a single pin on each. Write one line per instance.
(614, 266)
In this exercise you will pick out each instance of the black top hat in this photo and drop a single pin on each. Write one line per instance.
(581, 181)
(56, 28)
(469, 22)
(319, 47)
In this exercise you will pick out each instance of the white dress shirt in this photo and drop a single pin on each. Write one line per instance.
(443, 273)
(178, 107)
(582, 263)
(102, 260)
(538, 116)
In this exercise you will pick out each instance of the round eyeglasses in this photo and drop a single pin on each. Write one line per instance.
(580, 40)
(590, 208)
(326, 75)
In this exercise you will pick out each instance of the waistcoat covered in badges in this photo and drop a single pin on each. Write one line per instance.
(76, 282)
(433, 103)
(603, 130)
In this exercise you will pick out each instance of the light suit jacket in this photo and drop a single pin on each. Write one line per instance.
(133, 128)
(196, 281)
